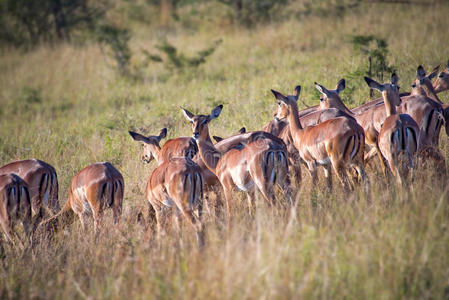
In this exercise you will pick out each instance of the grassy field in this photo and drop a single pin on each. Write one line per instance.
(66, 105)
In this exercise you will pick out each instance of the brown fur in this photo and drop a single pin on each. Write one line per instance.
(258, 160)
(42, 182)
(337, 142)
(398, 137)
(15, 206)
(92, 190)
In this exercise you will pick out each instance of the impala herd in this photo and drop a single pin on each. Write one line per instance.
(401, 129)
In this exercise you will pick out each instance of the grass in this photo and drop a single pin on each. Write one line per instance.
(67, 106)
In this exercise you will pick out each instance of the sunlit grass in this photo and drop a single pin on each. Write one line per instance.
(334, 246)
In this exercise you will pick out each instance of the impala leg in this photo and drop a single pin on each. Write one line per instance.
(250, 198)
(381, 160)
(313, 173)
(328, 175)
(340, 170)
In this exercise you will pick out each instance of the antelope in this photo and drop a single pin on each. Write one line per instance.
(307, 117)
(442, 82)
(258, 163)
(42, 182)
(15, 206)
(92, 190)
(181, 146)
(398, 137)
(176, 181)
(336, 143)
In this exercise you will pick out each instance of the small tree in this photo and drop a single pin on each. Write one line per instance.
(377, 50)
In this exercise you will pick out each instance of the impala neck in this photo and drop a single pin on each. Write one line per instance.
(293, 118)
(156, 152)
(431, 93)
(209, 154)
(390, 107)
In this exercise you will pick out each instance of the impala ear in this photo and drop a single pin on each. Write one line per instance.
(162, 134)
(138, 137)
(279, 96)
(341, 85)
(447, 65)
(189, 116)
(217, 138)
(434, 72)
(297, 91)
(394, 79)
(374, 84)
(321, 89)
(420, 73)
(242, 130)
(215, 112)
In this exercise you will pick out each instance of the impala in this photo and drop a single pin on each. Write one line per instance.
(42, 182)
(441, 84)
(92, 190)
(177, 181)
(15, 206)
(181, 146)
(258, 163)
(307, 117)
(336, 143)
(398, 137)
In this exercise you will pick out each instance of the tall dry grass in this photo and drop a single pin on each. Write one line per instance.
(386, 245)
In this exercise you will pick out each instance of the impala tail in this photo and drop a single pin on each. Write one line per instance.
(48, 191)
(192, 190)
(275, 169)
(111, 193)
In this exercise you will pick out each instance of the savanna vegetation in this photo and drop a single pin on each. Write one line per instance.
(70, 92)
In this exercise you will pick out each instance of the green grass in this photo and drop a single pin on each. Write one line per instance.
(67, 106)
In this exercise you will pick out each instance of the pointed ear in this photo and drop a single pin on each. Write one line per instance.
(394, 79)
(217, 138)
(434, 72)
(447, 65)
(297, 91)
(321, 89)
(340, 86)
(374, 84)
(189, 116)
(279, 96)
(242, 130)
(215, 112)
(162, 134)
(138, 137)
(420, 73)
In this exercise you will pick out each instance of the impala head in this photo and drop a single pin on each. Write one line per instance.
(389, 91)
(284, 102)
(200, 123)
(442, 81)
(149, 144)
(423, 82)
(331, 98)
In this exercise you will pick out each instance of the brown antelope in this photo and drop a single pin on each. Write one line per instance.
(258, 163)
(177, 181)
(15, 206)
(398, 137)
(42, 182)
(441, 84)
(336, 143)
(92, 190)
(181, 146)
